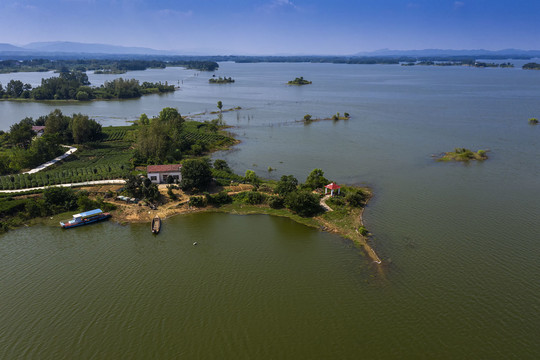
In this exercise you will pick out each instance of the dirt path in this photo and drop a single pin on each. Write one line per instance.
(71, 150)
(324, 205)
(86, 183)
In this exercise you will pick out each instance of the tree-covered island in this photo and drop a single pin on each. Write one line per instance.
(221, 80)
(299, 81)
(463, 154)
(74, 85)
(531, 66)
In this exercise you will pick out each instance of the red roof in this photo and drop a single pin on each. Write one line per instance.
(332, 186)
(163, 168)
(38, 128)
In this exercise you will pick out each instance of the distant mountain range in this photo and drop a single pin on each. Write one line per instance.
(449, 52)
(67, 47)
(73, 49)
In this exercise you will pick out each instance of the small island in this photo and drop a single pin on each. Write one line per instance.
(221, 80)
(299, 81)
(463, 154)
(533, 121)
(531, 66)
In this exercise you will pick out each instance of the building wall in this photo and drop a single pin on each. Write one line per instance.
(161, 178)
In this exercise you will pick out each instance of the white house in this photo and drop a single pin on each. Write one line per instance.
(158, 173)
(39, 130)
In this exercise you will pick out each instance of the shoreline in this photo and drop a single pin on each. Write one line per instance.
(134, 213)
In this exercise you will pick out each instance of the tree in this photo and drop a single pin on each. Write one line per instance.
(221, 165)
(133, 185)
(21, 133)
(82, 96)
(303, 203)
(220, 105)
(58, 123)
(143, 119)
(85, 129)
(286, 185)
(252, 178)
(196, 174)
(316, 180)
(150, 191)
(14, 88)
(170, 115)
(60, 198)
(307, 117)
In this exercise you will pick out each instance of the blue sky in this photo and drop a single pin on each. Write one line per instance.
(276, 26)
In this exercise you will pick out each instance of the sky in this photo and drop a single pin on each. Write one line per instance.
(258, 27)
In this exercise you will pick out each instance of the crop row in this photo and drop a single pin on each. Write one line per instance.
(115, 135)
(64, 176)
(207, 137)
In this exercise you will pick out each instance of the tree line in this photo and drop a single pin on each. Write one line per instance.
(74, 85)
(105, 65)
(22, 149)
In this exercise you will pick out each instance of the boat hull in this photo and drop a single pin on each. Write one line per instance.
(68, 225)
(156, 225)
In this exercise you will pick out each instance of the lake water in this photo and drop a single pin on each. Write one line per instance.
(461, 242)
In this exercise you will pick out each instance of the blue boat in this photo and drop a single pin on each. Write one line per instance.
(85, 218)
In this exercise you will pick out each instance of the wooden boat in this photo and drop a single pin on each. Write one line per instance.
(156, 225)
(85, 218)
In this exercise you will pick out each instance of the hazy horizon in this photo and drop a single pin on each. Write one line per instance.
(281, 27)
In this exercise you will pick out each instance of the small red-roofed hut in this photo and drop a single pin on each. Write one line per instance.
(332, 187)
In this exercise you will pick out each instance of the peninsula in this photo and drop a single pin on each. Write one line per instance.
(111, 169)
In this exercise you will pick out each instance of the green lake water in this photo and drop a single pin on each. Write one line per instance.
(460, 242)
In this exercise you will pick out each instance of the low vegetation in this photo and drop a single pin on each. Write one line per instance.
(533, 121)
(463, 154)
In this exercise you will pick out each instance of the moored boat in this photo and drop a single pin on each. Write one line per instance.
(85, 218)
(156, 225)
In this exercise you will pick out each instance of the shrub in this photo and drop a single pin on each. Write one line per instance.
(82, 96)
(363, 231)
(286, 185)
(250, 197)
(336, 201)
(218, 199)
(197, 201)
(170, 192)
(276, 202)
(303, 203)
(356, 198)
